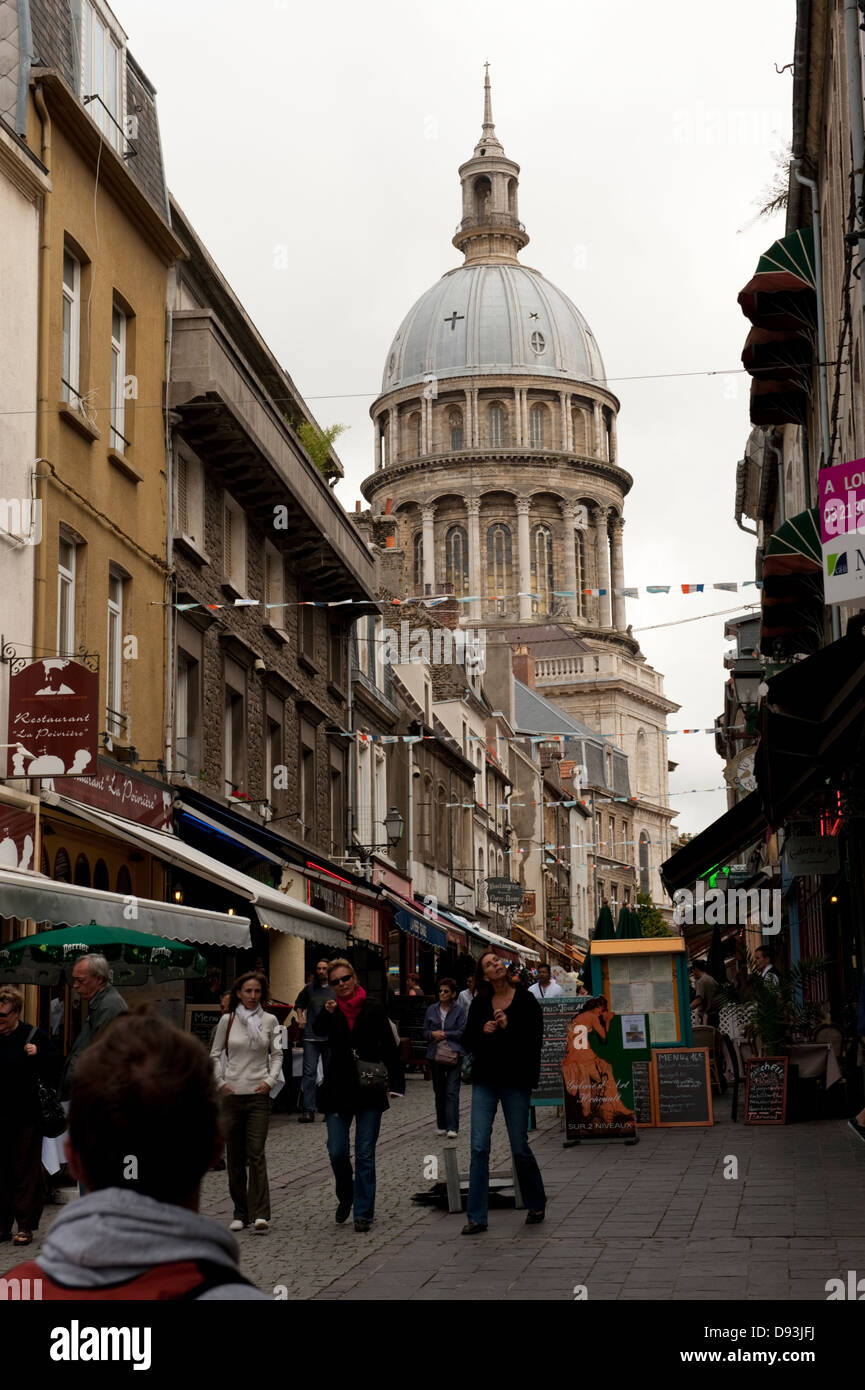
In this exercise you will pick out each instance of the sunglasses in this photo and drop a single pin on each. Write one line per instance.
(10, 1013)
(341, 979)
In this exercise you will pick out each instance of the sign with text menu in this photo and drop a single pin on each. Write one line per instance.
(683, 1091)
(557, 1017)
(765, 1091)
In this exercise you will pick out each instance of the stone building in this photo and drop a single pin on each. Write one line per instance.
(496, 456)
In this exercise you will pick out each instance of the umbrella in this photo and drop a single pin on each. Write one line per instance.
(622, 924)
(604, 928)
(633, 927)
(136, 958)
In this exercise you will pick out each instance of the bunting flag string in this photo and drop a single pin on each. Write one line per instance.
(433, 600)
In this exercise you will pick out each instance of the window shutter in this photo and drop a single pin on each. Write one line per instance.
(182, 495)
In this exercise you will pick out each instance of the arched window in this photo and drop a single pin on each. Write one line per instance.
(537, 426)
(383, 438)
(482, 887)
(457, 560)
(581, 437)
(441, 844)
(100, 876)
(499, 564)
(644, 862)
(82, 871)
(582, 577)
(542, 569)
(608, 765)
(512, 196)
(417, 561)
(414, 432)
(62, 867)
(483, 196)
(500, 864)
(427, 816)
(498, 423)
(124, 882)
(455, 423)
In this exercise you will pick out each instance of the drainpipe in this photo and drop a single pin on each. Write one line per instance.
(41, 558)
(410, 815)
(821, 345)
(740, 502)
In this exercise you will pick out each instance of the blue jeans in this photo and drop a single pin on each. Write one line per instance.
(311, 1052)
(515, 1108)
(357, 1188)
(446, 1088)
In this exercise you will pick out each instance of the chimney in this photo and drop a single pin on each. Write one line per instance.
(524, 666)
(358, 506)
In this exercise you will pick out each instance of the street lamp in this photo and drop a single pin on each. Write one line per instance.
(393, 825)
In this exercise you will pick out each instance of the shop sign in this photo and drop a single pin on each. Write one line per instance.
(811, 854)
(53, 719)
(842, 530)
(528, 905)
(505, 892)
(123, 794)
(17, 838)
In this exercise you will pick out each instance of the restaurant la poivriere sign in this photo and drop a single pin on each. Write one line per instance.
(53, 719)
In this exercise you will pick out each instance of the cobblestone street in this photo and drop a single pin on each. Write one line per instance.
(659, 1220)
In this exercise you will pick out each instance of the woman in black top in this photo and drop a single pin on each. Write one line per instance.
(26, 1056)
(356, 1029)
(504, 1034)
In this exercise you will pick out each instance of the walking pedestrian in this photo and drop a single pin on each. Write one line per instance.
(309, 1004)
(91, 981)
(504, 1034)
(546, 987)
(443, 1028)
(466, 995)
(414, 988)
(26, 1056)
(144, 1091)
(249, 1038)
(359, 1033)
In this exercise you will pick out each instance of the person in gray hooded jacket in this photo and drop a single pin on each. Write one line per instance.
(143, 1131)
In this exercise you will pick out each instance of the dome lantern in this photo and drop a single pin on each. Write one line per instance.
(490, 231)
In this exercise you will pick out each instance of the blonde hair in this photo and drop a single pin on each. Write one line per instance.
(10, 995)
(345, 964)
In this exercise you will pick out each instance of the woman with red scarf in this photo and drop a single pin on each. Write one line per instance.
(357, 1031)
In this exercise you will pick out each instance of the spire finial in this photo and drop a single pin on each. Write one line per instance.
(489, 128)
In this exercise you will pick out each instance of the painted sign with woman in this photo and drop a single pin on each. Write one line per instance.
(597, 1073)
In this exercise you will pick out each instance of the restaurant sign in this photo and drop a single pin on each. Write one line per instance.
(53, 719)
(505, 892)
(122, 793)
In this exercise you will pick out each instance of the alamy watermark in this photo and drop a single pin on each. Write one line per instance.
(728, 907)
(443, 646)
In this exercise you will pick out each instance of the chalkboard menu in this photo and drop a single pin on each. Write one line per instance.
(642, 1098)
(557, 1015)
(682, 1086)
(765, 1091)
(201, 1019)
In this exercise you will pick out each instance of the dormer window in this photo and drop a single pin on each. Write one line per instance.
(103, 70)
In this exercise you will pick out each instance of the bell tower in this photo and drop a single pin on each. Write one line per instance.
(490, 232)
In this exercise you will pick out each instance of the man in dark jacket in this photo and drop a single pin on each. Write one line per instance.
(91, 977)
(358, 1032)
(309, 1002)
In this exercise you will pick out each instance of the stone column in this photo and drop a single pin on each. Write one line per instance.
(378, 442)
(614, 448)
(393, 434)
(569, 421)
(563, 413)
(429, 552)
(518, 417)
(468, 421)
(525, 559)
(597, 430)
(602, 553)
(617, 573)
(524, 401)
(568, 541)
(476, 584)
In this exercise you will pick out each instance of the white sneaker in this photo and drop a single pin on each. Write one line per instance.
(441, 1131)
(452, 1134)
(261, 1226)
(237, 1226)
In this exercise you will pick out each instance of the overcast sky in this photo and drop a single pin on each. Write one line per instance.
(328, 137)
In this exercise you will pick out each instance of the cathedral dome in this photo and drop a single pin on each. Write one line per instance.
(485, 319)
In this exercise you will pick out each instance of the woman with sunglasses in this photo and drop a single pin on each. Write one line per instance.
(357, 1031)
(504, 1034)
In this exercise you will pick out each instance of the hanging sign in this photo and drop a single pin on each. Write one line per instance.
(53, 719)
(505, 892)
(842, 530)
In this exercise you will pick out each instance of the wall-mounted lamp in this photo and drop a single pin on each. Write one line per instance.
(178, 894)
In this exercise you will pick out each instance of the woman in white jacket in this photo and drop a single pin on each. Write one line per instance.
(247, 1059)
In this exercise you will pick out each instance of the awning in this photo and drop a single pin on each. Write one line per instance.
(274, 910)
(412, 920)
(215, 827)
(812, 722)
(781, 295)
(66, 904)
(503, 946)
(739, 827)
(793, 602)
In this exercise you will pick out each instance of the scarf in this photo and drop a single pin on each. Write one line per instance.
(351, 1007)
(252, 1018)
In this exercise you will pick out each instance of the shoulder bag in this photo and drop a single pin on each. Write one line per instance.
(52, 1116)
(371, 1076)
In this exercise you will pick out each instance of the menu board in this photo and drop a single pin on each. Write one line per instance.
(557, 1016)
(765, 1091)
(682, 1087)
(642, 1098)
(201, 1019)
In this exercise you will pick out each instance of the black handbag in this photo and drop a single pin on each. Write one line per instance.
(52, 1117)
(371, 1076)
